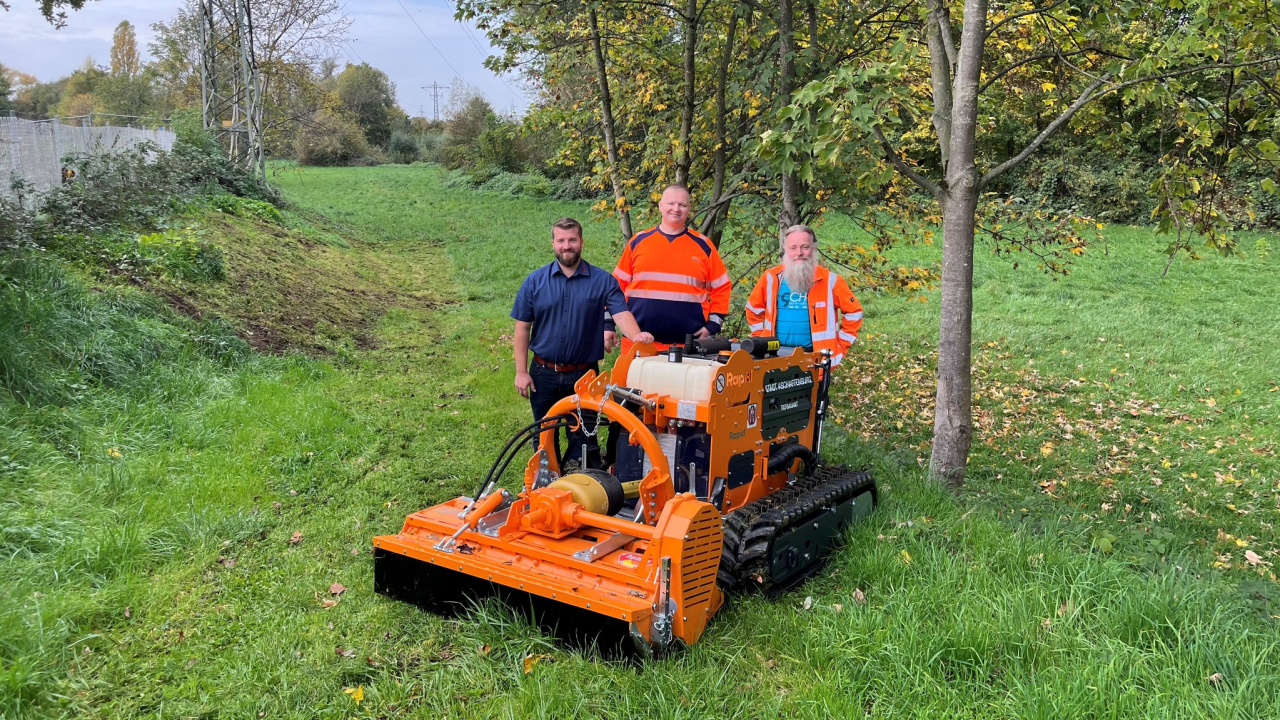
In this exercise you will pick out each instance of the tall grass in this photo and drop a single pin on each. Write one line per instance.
(190, 576)
(128, 439)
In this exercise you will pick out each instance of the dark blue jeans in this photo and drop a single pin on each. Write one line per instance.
(550, 386)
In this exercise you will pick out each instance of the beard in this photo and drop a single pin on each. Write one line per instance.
(568, 258)
(799, 273)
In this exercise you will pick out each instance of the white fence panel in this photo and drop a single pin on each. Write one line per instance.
(33, 149)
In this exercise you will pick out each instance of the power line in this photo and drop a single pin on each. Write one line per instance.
(353, 49)
(483, 54)
(428, 39)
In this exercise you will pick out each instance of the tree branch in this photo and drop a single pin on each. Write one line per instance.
(1048, 132)
(892, 156)
(1015, 16)
(1090, 95)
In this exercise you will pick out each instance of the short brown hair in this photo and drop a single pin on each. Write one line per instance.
(567, 223)
(680, 186)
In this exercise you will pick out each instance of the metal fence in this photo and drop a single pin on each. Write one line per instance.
(33, 150)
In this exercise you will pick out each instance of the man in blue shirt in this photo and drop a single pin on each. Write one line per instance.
(560, 314)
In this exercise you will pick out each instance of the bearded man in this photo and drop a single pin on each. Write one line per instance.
(560, 313)
(802, 303)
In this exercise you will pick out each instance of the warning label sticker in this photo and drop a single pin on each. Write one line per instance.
(630, 560)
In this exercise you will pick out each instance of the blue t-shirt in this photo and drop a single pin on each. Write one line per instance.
(568, 313)
(793, 317)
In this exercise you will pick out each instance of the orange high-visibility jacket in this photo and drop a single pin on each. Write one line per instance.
(675, 284)
(835, 315)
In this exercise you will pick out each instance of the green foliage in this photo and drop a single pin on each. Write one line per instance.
(403, 148)
(181, 254)
(370, 97)
(6, 87)
(497, 147)
(247, 207)
(471, 120)
(330, 138)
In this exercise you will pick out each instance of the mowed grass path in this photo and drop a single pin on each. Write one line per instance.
(938, 607)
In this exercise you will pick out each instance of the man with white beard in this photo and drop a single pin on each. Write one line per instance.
(802, 303)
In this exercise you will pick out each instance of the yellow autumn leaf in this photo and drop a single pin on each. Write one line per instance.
(356, 693)
(1165, 464)
(905, 557)
(1046, 449)
(531, 660)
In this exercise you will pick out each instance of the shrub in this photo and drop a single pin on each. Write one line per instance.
(433, 145)
(330, 139)
(246, 207)
(403, 148)
(180, 254)
(498, 147)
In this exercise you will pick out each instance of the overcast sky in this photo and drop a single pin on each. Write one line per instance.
(381, 35)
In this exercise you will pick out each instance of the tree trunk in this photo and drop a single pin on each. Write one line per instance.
(953, 418)
(790, 214)
(712, 224)
(936, 24)
(684, 154)
(606, 119)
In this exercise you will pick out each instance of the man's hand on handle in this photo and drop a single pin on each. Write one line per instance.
(702, 333)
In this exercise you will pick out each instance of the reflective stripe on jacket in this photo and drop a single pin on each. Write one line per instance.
(675, 284)
(835, 315)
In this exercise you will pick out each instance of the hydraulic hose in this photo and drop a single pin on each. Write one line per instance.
(781, 458)
(521, 436)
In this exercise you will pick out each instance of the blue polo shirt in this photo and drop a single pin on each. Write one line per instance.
(568, 313)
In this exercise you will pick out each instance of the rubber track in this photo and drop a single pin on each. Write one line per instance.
(750, 530)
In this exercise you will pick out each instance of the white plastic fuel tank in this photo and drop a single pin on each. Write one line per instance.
(690, 379)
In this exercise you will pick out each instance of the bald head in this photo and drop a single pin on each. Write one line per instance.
(674, 208)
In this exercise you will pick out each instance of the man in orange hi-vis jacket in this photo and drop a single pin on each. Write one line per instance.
(802, 303)
(673, 278)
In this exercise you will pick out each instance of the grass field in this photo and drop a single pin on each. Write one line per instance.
(169, 552)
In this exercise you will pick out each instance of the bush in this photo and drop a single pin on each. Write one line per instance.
(330, 139)
(515, 184)
(246, 207)
(498, 147)
(181, 254)
(403, 148)
(433, 145)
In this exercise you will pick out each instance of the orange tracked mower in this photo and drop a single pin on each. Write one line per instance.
(716, 486)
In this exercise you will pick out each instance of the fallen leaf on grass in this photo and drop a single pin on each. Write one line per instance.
(227, 562)
(808, 603)
(295, 538)
(356, 693)
(337, 589)
(859, 597)
(531, 660)
(344, 652)
(355, 551)
(484, 649)
(128, 611)
(276, 506)
(1215, 678)
(904, 556)
(837, 607)
(1254, 559)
